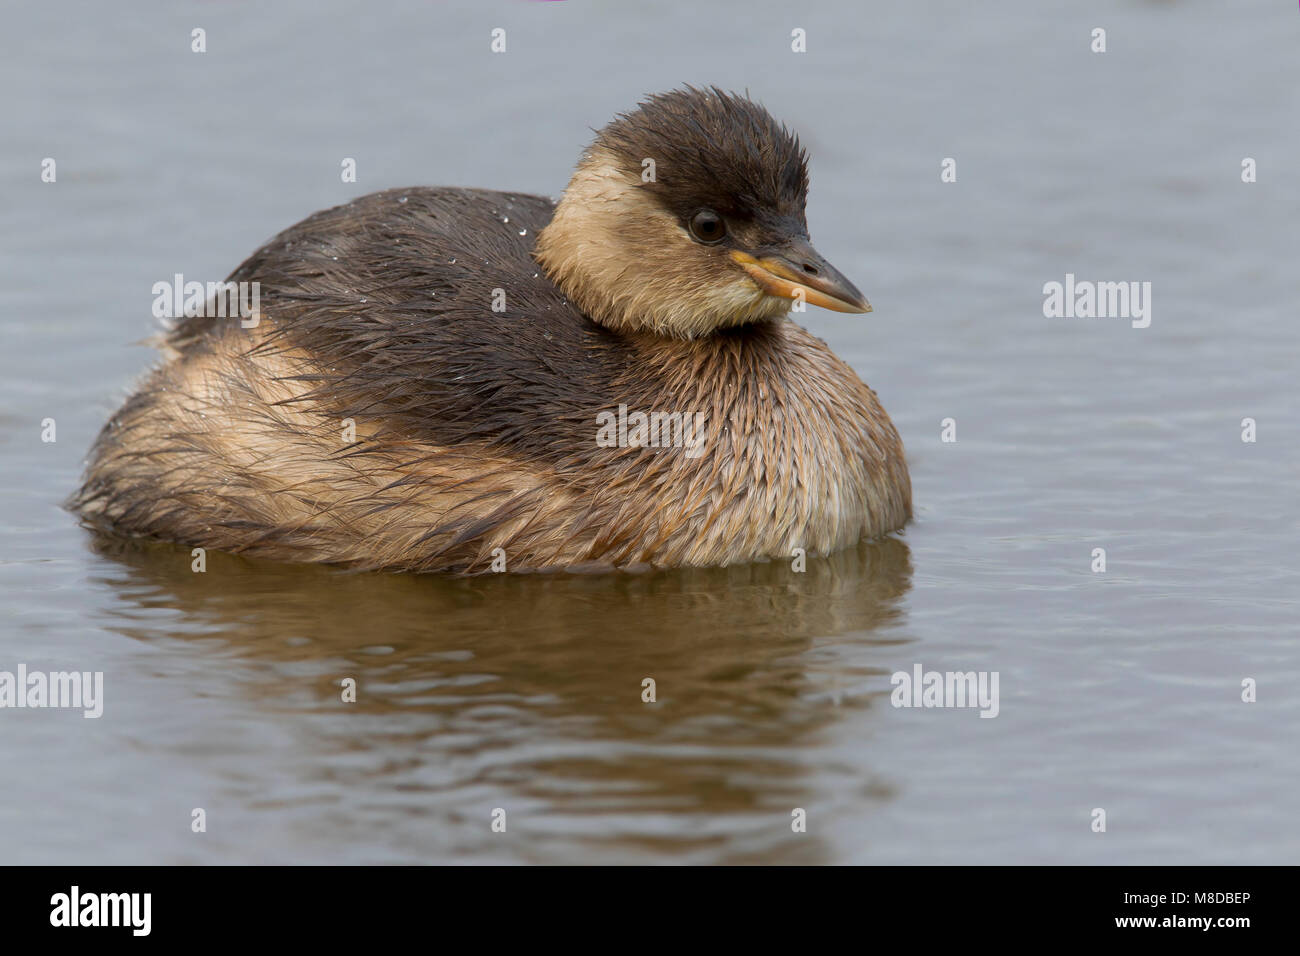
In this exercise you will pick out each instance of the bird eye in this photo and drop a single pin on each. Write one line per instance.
(707, 226)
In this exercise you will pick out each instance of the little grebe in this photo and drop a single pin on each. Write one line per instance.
(441, 379)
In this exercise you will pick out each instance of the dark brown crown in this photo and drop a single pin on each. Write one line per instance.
(712, 149)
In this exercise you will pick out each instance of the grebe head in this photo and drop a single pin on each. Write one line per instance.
(686, 216)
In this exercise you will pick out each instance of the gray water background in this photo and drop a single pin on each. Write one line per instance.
(1118, 690)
